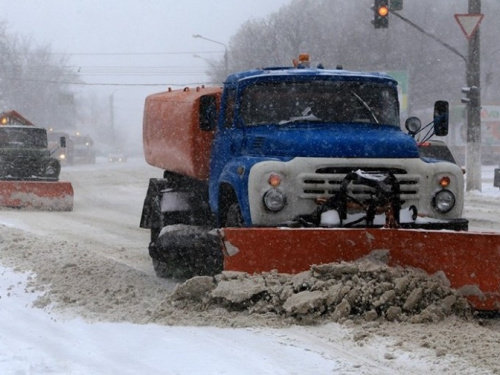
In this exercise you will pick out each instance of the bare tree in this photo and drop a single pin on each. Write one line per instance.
(35, 82)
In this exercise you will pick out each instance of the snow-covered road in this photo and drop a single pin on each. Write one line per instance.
(102, 237)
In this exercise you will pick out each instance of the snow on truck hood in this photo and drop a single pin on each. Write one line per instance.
(342, 141)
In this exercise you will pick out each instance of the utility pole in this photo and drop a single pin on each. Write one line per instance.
(473, 158)
(112, 117)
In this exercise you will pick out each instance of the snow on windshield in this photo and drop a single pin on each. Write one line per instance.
(23, 137)
(319, 101)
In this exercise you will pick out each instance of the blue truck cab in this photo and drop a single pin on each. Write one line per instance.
(287, 137)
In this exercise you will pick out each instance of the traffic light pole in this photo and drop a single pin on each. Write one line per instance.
(473, 159)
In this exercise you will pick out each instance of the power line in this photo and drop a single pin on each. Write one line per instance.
(140, 71)
(134, 84)
(121, 70)
(81, 83)
(132, 53)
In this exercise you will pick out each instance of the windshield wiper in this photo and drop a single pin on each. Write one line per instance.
(306, 115)
(367, 107)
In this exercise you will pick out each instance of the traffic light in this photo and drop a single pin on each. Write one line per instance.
(381, 14)
(472, 98)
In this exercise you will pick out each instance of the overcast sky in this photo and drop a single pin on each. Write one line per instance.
(133, 41)
(93, 30)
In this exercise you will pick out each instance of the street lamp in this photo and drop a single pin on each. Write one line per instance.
(209, 62)
(226, 68)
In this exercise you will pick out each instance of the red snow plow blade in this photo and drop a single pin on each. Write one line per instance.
(470, 261)
(47, 196)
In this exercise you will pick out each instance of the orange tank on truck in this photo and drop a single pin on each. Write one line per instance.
(283, 168)
(29, 174)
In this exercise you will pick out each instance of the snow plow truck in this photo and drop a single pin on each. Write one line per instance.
(284, 168)
(29, 174)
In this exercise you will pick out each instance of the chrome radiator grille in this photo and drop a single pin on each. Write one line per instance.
(326, 182)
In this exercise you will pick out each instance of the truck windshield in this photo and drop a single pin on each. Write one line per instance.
(23, 137)
(320, 101)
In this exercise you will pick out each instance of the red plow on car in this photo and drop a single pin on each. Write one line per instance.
(29, 173)
(38, 195)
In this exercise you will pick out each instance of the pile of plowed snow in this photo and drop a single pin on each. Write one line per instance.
(367, 290)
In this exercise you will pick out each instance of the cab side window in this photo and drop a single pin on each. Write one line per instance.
(229, 110)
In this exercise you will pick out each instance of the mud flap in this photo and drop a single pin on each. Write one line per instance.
(37, 195)
(469, 261)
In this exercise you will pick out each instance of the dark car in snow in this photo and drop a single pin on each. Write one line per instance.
(117, 156)
(436, 150)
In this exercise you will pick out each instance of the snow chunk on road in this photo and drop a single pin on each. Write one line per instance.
(333, 292)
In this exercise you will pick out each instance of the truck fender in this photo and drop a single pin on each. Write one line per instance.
(151, 209)
(232, 188)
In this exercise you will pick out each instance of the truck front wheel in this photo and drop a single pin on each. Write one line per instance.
(162, 269)
(184, 251)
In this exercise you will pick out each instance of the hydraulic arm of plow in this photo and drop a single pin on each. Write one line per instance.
(382, 197)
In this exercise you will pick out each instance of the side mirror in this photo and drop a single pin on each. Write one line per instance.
(208, 113)
(62, 142)
(441, 118)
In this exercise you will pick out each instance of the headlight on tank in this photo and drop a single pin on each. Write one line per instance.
(444, 201)
(274, 200)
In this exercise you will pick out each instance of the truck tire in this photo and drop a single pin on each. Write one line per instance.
(185, 251)
(162, 269)
(233, 216)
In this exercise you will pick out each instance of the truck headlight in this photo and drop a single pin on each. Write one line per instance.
(274, 200)
(53, 168)
(50, 171)
(444, 201)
